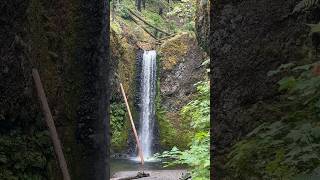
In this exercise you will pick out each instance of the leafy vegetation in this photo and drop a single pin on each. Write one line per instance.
(305, 5)
(288, 147)
(185, 11)
(117, 125)
(197, 156)
(24, 157)
(171, 17)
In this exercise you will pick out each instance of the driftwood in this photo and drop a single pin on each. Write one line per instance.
(50, 123)
(133, 13)
(132, 123)
(139, 175)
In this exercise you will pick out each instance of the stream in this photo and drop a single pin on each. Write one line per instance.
(118, 165)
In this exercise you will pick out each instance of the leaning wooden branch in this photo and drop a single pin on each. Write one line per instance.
(133, 13)
(50, 123)
(132, 124)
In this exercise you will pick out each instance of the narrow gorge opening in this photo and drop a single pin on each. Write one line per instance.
(158, 57)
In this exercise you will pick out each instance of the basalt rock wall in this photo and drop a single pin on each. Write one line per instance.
(248, 39)
(180, 68)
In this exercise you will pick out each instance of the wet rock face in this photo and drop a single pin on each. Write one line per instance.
(180, 69)
(249, 38)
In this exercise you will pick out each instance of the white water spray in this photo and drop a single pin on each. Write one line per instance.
(147, 110)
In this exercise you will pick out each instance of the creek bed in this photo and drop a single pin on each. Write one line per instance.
(121, 165)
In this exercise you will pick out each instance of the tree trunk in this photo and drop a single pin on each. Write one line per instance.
(144, 4)
(139, 2)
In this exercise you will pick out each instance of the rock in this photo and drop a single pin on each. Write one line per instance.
(154, 174)
(180, 69)
(249, 38)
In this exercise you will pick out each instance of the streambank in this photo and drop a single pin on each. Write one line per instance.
(126, 167)
(154, 174)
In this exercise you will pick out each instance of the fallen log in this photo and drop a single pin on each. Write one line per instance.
(133, 13)
(134, 20)
(139, 175)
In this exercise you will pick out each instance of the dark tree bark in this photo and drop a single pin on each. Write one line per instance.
(160, 11)
(144, 4)
(139, 3)
(68, 42)
(248, 39)
(93, 127)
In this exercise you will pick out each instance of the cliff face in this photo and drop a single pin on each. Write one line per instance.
(179, 69)
(123, 60)
(250, 38)
(68, 43)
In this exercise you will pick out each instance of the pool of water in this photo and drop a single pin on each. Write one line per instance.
(134, 165)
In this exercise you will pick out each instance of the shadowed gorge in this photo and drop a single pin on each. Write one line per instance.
(68, 43)
(162, 67)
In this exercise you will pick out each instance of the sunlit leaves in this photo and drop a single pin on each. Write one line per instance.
(197, 156)
(117, 123)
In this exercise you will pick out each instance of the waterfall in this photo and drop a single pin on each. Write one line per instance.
(147, 108)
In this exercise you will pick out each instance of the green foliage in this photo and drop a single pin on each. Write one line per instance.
(121, 8)
(154, 18)
(117, 124)
(198, 110)
(197, 156)
(314, 175)
(314, 28)
(284, 148)
(185, 11)
(167, 132)
(305, 5)
(24, 157)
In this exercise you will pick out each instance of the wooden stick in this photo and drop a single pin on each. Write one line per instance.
(133, 126)
(50, 123)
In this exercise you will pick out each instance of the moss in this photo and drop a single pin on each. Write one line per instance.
(174, 50)
(123, 55)
(170, 130)
(170, 124)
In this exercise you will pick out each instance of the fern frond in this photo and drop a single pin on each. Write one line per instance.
(315, 28)
(305, 5)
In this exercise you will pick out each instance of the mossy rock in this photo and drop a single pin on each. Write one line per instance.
(173, 50)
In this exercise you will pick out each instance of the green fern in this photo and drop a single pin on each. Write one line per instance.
(305, 5)
(314, 28)
(289, 146)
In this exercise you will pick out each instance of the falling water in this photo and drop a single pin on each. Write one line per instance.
(147, 110)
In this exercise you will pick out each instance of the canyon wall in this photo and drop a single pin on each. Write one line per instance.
(68, 43)
(248, 39)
